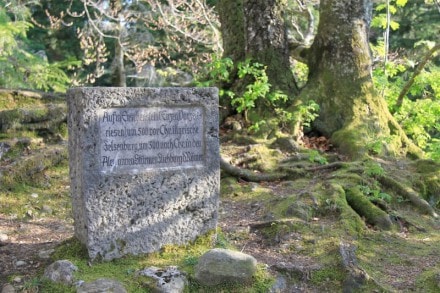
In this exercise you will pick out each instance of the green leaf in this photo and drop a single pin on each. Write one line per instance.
(394, 25)
(401, 3)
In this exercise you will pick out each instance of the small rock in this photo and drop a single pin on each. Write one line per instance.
(34, 195)
(60, 271)
(3, 237)
(20, 263)
(17, 280)
(30, 213)
(8, 288)
(279, 286)
(46, 209)
(168, 280)
(4, 148)
(101, 285)
(254, 186)
(219, 266)
(45, 254)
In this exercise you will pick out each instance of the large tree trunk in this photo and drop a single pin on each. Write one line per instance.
(255, 29)
(266, 41)
(351, 112)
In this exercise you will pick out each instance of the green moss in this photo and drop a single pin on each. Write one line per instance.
(365, 208)
(332, 276)
(426, 166)
(333, 203)
(429, 281)
(70, 249)
(350, 142)
(124, 269)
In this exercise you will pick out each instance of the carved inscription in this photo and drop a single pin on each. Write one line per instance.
(138, 139)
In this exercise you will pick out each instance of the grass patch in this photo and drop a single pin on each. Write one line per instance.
(124, 269)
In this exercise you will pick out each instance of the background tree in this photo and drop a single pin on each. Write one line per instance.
(257, 30)
(23, 64)
(339, 61)
(139, 35)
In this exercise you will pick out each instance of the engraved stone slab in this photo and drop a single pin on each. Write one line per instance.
(138, 139)
(144, 167)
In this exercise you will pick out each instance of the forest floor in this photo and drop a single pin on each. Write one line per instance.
(298, 227)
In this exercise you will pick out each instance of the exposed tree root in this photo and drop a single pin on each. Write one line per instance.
(365, 208)
(404, 222)
(249, 175)
(335, 165)
(270, 223)
(33, 94)
(356, 275)
(408, 193)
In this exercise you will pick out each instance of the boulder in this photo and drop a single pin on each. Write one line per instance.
(219, 266)
(61, 271)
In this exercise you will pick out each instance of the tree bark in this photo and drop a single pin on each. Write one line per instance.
(256, 29)
(266, 41)
(351, 112)
(118, 72)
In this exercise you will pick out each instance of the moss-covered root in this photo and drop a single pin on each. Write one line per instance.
(372, 214)
(409, 194)
(249, 175)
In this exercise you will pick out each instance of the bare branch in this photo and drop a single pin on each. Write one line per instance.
(418, 70)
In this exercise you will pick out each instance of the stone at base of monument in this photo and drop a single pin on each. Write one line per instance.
(144, 167)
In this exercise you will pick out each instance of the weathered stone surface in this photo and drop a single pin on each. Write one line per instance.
(219, 266)
(279, 286)
(61, 271)
(3, 237)
(8, 288)
(144, 167)
(4, 148)
(168, 280)
(101, 286)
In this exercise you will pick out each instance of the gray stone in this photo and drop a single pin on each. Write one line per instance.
(168, 280)
(3, 237)
(20, 263)
(61, 271)
(101, 286)
(4, 148)
(219, 266)
(46, 209)
(45, 254)
(144, 167)
(279, 286)
(8, 288)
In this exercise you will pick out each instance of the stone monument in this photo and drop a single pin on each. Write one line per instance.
(144, 167)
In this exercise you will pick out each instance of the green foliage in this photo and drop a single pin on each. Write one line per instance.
(373, 169)
(419, 114)
(419, 111)
(380, 18)
(258, 89)
(22, 68)
(315, 156)
(374, 193)
(308, 112)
